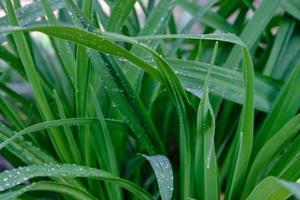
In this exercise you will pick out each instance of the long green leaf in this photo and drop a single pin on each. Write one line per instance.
(108, 157)
(285, 107)
(17, 176)
(164, 175)
(48, 124)
(119, 15)
(28, 14)
(272, 148)
(244, 138)
(155, 24)
(48, 186)
(34, 79)
(224, 82)
(206, 169)
(253, 30)
(273, 188)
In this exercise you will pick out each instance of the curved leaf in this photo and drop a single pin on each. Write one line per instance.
(48, 124)
(164, 174)
(48, 186)
(225, 82)
(17, 176)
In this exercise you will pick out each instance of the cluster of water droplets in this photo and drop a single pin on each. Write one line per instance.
(11, 178)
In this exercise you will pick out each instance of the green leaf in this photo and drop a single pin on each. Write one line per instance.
(224, 82)
(119, 15)
(242, 146)
(252, 31)
(285, 107)
(9, 112)
(282, 39)
(48, 186)
(46, 125)
(105, 145)
(273, 188)
(292, 7)
(34, 79)
(164, 174)
(210, 18)
(206, 169)
(64, 50)
(271, 149)
(19, 175)
(29, 13)
(155, 24)
(118, 87)
(25, 150)
(68, 132)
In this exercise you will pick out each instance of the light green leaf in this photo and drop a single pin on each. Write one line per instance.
(273, 188)
(68, 190)
(19, 175)
(164, 174)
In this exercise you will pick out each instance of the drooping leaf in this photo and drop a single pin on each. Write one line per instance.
(19, 175)
(164, 174)
(68, 190)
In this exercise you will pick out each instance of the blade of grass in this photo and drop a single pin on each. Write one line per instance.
(252, 31)
(29, 14)
(33, 77)
(210, 18)
(226, 83)
(19, 175)
(48, 124)
(13, 61)
(63, 48)
(287, 166)
(17, 97)
(26, 151)
(273, 147)
(274, 188)
(206, 170)
(284, 34)
(10, 113)
(119, 15)
(244, 137)
(48, 186)
(108, 157)
(164, 174)
(68, 132)
(285, 107)
(154, 24)
(118, 87)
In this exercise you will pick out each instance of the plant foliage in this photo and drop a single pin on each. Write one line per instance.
(92, 90)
